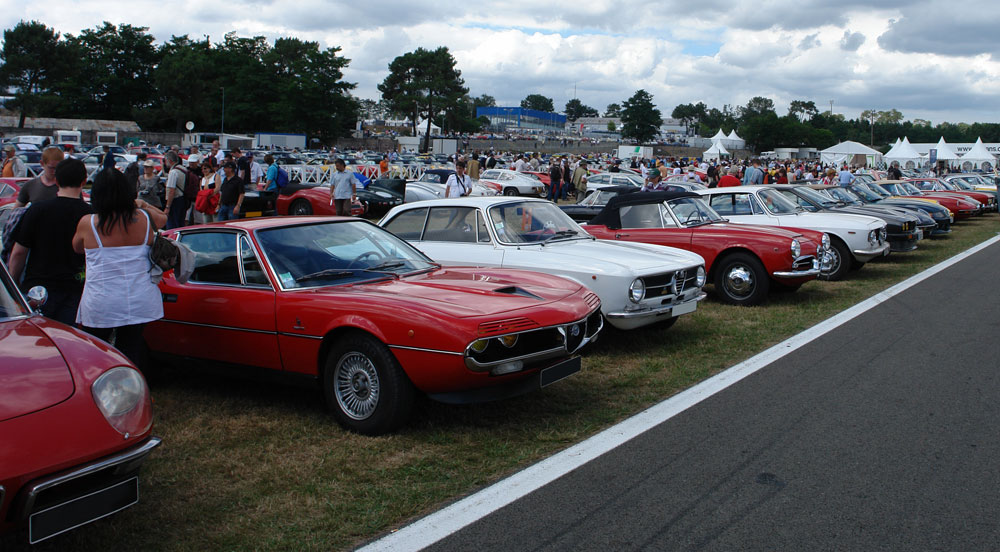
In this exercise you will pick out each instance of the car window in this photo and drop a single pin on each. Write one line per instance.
(482, 234)
(408, 225)
(731, 204)
(215, 257)
(451, 224)
(253, 273)
(799, 201)
(648, 215)
(598, 179)
(6, 191)
(431, 177)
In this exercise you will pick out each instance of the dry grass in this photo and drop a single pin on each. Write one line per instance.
(252, 466)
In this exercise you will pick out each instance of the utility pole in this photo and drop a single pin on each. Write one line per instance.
(871, 140)
(223, 130)
(831, 108)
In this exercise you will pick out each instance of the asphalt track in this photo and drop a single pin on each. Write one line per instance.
(880, 435)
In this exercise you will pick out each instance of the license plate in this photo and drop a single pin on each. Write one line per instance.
(251, 214)
(684, 308)
(82, 510)
(560, 371)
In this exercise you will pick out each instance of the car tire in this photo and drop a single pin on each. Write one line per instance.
(856, 264)
(510, 192)
(740, 279)
(365, 387)
(300, 207)
(840, 261)
(778, 287)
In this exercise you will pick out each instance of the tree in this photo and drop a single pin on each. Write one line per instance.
(921, 122)
(891, 117)
(758, 105)
(803, 110)
(640, 118)
(423, 82)
(538, 102)
(690, 113)
(31, 58)
(611, 126)
(575, 109)
(118, 68)
(613, 110)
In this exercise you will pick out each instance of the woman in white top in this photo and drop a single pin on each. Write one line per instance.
(118, 295)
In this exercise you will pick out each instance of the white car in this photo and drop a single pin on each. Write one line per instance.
(604, 180)
(638, 284)
(422, 191)
(854, 239)
(512, 183)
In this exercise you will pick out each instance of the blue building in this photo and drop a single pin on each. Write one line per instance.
(517, 118)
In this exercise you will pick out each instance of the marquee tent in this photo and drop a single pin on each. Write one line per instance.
(904, 154)
(944, 151)
(851, 153)
(719, 136)
(978, 158)
(716, 151)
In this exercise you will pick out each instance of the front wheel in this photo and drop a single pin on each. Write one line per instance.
(365, 387)
(840, 261)
(740, 279)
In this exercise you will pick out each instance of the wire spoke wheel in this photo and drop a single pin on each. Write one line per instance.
(357, 385)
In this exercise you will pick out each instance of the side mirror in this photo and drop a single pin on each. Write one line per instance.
(37, 296)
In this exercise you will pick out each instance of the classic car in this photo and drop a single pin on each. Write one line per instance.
(962, 208)
(954, 186)
(309, 199)
(512, 183)
(743, 260)
(75, 420)
(371, 320)
(871, 194)
(9, 188)
(972, 182)
(901, 229)
(605, 180)
(854, 239)
(847, 198)
(590, 205)
(638, 284)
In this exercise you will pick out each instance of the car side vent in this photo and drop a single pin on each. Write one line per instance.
(514, 290)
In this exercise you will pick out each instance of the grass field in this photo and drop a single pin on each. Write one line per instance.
(251, 466)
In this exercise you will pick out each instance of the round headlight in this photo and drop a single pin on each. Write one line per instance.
(826, 240)
(637, 290)
(479, 345)
(873, 237)
(796, 249)
(120, 394)
(702, 277)
(508, 340)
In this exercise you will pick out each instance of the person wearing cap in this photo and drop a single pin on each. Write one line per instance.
(148, 184)
(13, 166)
(231, 194)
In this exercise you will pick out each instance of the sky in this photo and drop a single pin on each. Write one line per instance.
(928, 59)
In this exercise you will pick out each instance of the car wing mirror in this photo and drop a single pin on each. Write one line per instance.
(37, 296)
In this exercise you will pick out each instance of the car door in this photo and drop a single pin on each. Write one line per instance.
(225, 312)
(451, 235)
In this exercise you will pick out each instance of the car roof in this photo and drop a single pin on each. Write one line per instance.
(471, 201)
(252, 224)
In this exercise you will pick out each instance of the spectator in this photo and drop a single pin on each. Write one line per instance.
(271, 178)
(555, 180)
(728, 178)
(242, 165)
(256, 173)
(118, 295)
(13, 166)
(43, 186)
(845, 177)
(473, 165)
(383, 166)
(46, 232)
(343, 188)
(580, 178)
(133, 170)
(458, 184)
(148, 185)
(231, 193)
(176, 206)
(108, 158)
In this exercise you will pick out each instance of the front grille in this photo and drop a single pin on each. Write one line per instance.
(527, 343)
(670, 283)
(506, 326)
(803, 263)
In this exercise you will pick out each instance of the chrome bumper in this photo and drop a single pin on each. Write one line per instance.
(657, 311)
(871, 253)
(814, 271)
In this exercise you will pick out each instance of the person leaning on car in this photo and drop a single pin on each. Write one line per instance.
(343, 188)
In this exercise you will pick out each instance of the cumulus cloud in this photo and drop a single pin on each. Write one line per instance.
(810, 41)
(967, 33)
(851, 41)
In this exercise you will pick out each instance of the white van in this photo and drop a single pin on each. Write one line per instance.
(107, 138)
(66, 137)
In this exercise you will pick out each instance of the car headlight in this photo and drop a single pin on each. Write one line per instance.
(637, 290)
(479, 345)
(122, 397)
(702, 277)
(508, 340)
(873, 237)
(796, 249)
(826, 240)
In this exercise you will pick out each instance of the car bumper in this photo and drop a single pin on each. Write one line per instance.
(628, 320)
(814, 270)
(865, 255)
(85, 493)
(907, 241)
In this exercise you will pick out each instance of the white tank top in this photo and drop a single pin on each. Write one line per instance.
(117, 290)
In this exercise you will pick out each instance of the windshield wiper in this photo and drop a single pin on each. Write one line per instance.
(561, 234)
(330, 273)
(385, 266)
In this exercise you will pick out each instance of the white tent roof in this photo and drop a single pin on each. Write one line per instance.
(978, 153)
(719, 135)
(733, 135)
(715, 151)
(902, 152)
(944, 151)
(845, 152)
(422, 127)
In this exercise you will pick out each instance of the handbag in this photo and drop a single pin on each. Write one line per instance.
(166, 254)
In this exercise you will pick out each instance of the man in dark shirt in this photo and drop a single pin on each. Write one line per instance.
(230, 194)
(46, 231)
(242, 165)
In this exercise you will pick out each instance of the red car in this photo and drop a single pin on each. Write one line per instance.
(367, 317)
(988, 199)
(296, 199)
(962, 207)
(75, 422)
(9, 188)
(744, 261)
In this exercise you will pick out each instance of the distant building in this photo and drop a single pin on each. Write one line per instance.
(504, 119)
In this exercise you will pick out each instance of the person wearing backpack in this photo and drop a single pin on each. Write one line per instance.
(276, 177)
(176, 204)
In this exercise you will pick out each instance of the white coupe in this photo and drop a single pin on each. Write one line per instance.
(638, 284)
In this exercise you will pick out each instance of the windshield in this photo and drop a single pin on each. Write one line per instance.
(815, 197)
(532, 222)
(877, 189)
(693, 211)
(847, 196)
(10, 301)
(775, 203)
(962, 184)
(329, 253)
(910, 188)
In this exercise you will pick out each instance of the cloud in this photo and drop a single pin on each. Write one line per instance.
(851, 41)
(810, 41)
(969, 32)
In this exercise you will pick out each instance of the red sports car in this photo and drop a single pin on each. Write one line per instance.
(988, 199)
(963, 207)
(9, 188)
(743, 260)
(75, 422)
(298, 199)
(369, 318)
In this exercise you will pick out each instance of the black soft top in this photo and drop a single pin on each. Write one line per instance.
(609, 215)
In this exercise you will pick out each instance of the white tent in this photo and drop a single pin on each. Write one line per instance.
(978, 158)
(944, 151)
(422, 128)
(851, 153)
(716, 151)
(904, 154)
(735, 141)
(719, 136)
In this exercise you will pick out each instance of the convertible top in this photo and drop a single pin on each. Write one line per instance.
(609, 216)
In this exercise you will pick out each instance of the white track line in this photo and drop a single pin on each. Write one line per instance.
(440, 524)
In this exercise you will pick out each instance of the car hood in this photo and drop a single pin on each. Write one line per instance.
(467, 292)
(34, 375)
(831, 220)
(607, 256)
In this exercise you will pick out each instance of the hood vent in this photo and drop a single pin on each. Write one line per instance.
(514, 290)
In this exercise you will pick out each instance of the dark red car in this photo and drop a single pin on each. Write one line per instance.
(962, 207)
(75, 422)
(988, 199)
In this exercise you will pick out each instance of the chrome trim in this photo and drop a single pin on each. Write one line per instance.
(877, 251)
(422, 350)
(652, 312)
(305, 336)
(796, 274)
(473, 364)
(131, 480)
(3, 493)
(135, 453)
(477, 366)
(233, 328)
